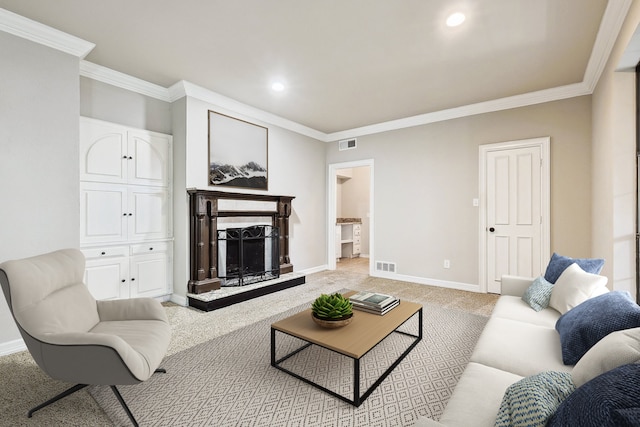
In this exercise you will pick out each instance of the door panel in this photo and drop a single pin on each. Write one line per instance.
(513, 213)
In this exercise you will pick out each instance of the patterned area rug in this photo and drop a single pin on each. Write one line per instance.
(229, 381)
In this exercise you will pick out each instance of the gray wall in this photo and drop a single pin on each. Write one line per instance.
(427, 176)
(40, 208)
(296, 168)
(113, 104)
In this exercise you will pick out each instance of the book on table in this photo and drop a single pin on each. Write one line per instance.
(373, 302)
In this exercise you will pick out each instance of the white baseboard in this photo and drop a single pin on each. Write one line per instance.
(312, 270)
(179, 299)
(431, 282)
(11, 347)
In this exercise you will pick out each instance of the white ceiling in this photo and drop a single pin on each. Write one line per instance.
(346, 63)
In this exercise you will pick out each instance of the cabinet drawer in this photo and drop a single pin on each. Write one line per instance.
(105, 252)
(149, 248)
(356, 230)
(356, 248)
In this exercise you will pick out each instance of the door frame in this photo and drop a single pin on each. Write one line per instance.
(545, 198)
(332, 185)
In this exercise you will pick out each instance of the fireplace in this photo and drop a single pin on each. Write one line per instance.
(248, 255)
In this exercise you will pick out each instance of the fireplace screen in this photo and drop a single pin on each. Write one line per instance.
(248, 255)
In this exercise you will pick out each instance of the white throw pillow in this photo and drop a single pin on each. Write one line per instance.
(575, 286)
(616, 349)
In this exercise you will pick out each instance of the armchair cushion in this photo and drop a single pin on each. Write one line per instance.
(131, 309)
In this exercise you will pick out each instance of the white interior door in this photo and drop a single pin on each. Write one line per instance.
(516, 211)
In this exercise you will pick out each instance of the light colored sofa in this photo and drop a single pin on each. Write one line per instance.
(517, 342)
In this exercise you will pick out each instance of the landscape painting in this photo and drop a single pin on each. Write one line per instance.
(237, 153)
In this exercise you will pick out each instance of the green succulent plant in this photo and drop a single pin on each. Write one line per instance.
(332, 307)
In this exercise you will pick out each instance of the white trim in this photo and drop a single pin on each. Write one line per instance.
(124, 81)
(28, 29)
(531, 98)
(545, 198)
(430, 282)
(179, 299)
(612, 21)
(10, 347)
(184, 88)
(331, 209)
(313, 270)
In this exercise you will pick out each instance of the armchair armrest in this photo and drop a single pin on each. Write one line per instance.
(515, 285)
(131, 309)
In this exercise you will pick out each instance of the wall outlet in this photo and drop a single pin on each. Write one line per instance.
(447, 263)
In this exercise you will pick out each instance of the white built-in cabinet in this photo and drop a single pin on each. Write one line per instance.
(125, 210)
(348, 243)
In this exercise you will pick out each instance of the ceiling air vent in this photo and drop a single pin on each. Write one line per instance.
(347, 144)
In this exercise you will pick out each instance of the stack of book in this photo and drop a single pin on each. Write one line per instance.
(373, 302)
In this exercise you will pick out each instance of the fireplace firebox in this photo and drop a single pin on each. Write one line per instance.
(248, 255)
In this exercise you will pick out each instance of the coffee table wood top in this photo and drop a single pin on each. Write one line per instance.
(357, 338)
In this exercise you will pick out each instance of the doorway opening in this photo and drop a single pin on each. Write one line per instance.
(350, 215)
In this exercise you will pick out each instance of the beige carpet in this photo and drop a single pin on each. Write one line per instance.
(23, 385)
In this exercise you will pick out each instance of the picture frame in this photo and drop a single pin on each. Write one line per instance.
(238, 153)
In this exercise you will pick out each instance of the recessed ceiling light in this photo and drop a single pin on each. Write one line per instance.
(277, 86)
(455, 19)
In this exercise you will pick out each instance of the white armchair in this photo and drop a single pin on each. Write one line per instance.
(74, 338)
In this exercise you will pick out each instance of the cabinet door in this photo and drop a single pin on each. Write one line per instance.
(150, 210)
(148, 158)
(148, 275)
(103, 213)
(108, 278)
(103, 152)
(356, 239)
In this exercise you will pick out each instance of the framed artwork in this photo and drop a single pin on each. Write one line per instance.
(237, 153)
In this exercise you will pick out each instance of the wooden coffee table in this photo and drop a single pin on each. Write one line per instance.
(353, 341)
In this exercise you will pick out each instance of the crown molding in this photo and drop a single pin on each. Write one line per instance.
(612, 21)
(185, 88)
(610, 26)
(25, 28)
(531, 98)
(124, 81)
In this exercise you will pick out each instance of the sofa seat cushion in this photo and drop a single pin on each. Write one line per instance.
(520, 348)
(143, 345)
(514, 308)
(476, 399)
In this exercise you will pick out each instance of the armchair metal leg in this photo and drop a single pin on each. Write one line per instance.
(124, 405)
(77, 387)
(65, 393)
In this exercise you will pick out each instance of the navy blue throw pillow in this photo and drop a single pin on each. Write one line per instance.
(559, 263)
(609, 400)
(584, 325)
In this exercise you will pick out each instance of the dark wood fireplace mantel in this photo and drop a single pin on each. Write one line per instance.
(204, 214)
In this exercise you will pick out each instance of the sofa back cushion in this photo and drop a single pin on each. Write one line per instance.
(616, 349)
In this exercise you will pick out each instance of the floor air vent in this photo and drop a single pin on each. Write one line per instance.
(387, 267)
(347, 144)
